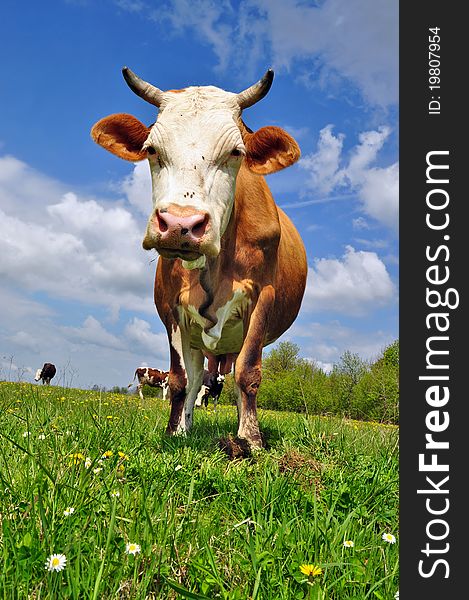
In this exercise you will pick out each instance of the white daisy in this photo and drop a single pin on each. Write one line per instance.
(56, 562)
(349, 544)
(69, 511)
(388, 537)
(132, 548)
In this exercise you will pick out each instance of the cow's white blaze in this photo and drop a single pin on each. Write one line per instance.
(37, 377)
(194, 166)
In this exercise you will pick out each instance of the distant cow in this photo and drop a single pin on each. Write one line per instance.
(46, 373)
(151, 377)
(212, 386)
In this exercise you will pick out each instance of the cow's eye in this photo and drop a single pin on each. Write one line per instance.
(151, 150)
(236, 152)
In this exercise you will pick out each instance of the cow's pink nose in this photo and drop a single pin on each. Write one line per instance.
(192, 226)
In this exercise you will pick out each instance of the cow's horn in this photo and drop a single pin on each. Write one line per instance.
(257, 91)
(145, 90)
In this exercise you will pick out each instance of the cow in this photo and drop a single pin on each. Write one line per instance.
(151, 377)
(46, 373)
(232, 268)
(212, 386)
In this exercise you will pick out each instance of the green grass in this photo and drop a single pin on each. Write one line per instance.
(207, 527)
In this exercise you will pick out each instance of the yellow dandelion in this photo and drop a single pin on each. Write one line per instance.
(76, 458)
(122, 455)
(107, 454)
(310, 570)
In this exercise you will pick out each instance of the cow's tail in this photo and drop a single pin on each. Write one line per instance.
(132, 382)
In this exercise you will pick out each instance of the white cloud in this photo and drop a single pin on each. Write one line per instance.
(325, 342)
(377, 187)
(137, 188)
(335, 40)
(353, 285)
(93, 333)
(205, 17)
(138, 333)
(68, 247)
(324, 165)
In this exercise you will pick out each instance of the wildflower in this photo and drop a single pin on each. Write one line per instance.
(26, 434)
(97, 470)
(122, 456)
(109, 417)
(115, 494)
(41, 436)
(69, 511)
(396, 595)
(107, 454)
(56, 562)
(310, 570)
(388, 537)
(76, 458)
(177, 467)
(349, 544)
(88, 462)
(132, 548)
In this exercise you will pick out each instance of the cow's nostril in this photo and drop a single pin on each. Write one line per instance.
(162, 225)
(199, 228)
(184, 231)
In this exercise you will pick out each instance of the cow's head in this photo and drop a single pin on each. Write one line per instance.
(195, 150)
(37, 377)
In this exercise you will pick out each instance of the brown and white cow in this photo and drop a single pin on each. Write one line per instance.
(46, 373)
(151, 377)
(232, 269)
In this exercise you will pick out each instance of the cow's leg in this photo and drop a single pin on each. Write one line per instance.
(248, 369)
(139, 390)
(185, 379)
(165, 389)
(200, 396)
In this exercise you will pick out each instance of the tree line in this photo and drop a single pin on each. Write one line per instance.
(354, 388)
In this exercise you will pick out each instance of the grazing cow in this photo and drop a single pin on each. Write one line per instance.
(46, 373)
(232, 269)
(212, 385)
(151, 377)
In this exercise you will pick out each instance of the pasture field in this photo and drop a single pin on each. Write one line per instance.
(140, 515)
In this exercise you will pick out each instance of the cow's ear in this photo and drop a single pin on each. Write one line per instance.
(270, 149)
(123, 135)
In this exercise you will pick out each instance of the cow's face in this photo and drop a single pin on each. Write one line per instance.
(37, 377)
(195, 150)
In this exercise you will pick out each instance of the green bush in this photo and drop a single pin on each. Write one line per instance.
(354, 388)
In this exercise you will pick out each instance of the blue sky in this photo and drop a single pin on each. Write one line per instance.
(76, 285)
